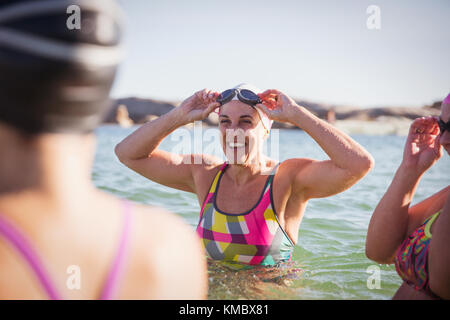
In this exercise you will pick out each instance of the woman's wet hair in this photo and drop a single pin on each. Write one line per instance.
(55, 75)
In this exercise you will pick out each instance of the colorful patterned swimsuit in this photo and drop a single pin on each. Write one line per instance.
(411, 259)
(247, 239)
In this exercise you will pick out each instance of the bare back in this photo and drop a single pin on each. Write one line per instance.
(87, 238)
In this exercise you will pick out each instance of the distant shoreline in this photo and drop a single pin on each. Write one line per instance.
(352, 120)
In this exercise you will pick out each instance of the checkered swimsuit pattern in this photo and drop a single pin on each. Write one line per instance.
(247, 239)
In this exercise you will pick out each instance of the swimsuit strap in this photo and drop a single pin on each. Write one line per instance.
(212, 188)
(21, 243)
(428, 223)
(245, 239)
(117, 269)
(273, 172)
(222, 169)
(214, 184)
(268, 184)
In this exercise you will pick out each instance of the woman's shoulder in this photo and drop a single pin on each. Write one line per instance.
(167, 254)
(421, 211)
(205, 172)
(290, 167)
(159, 229)
(164, 256)
(296, 163)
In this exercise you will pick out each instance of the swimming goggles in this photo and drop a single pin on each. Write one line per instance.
(244, 95)
(443, 125)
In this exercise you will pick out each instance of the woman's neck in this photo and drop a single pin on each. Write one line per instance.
(50, 168)
(241, 174)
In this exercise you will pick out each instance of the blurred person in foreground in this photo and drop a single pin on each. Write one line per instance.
(60, 237)
(416, 238)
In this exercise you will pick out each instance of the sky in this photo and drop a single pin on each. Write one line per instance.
(320, 51)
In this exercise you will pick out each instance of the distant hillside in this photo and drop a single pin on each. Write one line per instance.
(142, 110)
(139, 109)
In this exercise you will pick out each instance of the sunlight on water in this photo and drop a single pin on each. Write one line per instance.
(329, 260)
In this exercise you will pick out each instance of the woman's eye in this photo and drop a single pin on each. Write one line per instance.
(246, 121)
(224, 121)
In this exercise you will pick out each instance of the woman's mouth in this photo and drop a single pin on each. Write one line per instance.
(236, 145)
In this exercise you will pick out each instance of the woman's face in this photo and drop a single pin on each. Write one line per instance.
(445, 137)
(242, 132)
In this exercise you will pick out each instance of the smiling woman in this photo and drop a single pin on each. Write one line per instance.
(251, 205)
(240, 143)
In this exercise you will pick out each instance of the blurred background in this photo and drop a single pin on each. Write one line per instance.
(321, 53)
(316, 50)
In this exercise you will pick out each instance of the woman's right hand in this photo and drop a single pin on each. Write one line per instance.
(422, 148)
(198, 106)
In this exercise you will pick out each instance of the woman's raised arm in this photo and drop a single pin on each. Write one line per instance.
(393, 216)
(139, 150)
(348, 161)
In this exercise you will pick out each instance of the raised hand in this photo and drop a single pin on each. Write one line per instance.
(422, 148)
(199, 105)
(277, 105)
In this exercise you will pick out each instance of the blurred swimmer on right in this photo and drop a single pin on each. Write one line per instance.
(416, 238)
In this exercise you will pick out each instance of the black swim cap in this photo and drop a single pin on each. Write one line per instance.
(56, 74)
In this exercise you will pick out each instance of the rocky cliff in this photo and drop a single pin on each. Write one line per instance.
(143, 110)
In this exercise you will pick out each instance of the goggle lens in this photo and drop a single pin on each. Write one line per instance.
(250, 95)
(244, 95)
(225, 96)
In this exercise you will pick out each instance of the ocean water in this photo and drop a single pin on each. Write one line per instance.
(329, 259)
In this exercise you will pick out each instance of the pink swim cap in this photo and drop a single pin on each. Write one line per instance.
(446, 100)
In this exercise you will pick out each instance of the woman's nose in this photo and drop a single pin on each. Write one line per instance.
(234, 133)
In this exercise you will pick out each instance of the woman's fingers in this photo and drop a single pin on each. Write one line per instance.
(424, 125)
(211, 94)
(269, 94)
(430, 125)
(215, 95)
(205, 97)
(205, 94)
(437, 148)
(435, 127)
(270, 98)
(271, 91)
(199, 95)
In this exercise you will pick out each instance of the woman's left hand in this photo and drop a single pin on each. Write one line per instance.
(422, 148)
(277, 105)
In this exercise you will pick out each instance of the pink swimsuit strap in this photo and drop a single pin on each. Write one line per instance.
(116, 272)
(23, 245)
